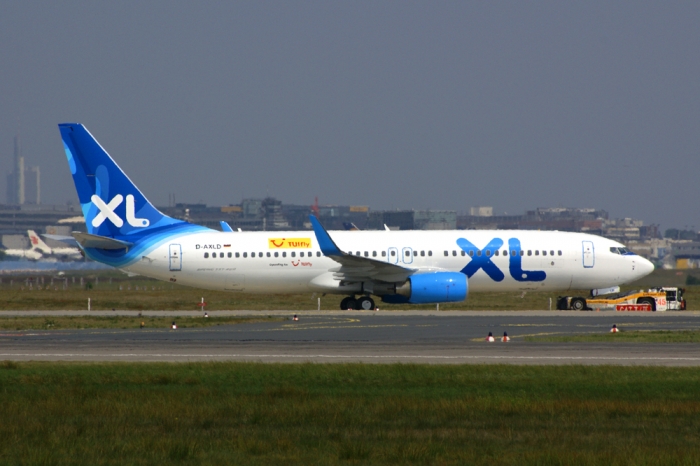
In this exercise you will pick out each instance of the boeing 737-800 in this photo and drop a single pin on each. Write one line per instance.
(126, 231)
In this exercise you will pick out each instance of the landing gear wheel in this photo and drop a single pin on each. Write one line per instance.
(578, 304)
(348, 303)
(365, 303)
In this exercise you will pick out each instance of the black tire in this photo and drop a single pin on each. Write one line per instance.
(365, 303)
(648, 301)
(578, 304)
(348, 303)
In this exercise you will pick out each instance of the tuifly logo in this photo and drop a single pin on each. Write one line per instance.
(289, 243)
(107, 212)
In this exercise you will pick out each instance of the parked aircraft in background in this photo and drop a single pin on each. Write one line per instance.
(31, 254)
(61, 253)
(126, 231)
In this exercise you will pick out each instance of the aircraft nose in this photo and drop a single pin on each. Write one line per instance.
(644, 267)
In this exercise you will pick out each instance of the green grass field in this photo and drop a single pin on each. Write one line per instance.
(637, 336)
(114, 290)
(245, 413)
(121, 322)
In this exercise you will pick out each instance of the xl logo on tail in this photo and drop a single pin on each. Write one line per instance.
(107, 212)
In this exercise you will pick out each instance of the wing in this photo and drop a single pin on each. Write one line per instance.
(354, 269)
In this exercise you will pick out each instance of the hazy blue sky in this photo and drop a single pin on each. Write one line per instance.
(441, 105)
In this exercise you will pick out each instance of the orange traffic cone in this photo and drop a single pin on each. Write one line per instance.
(505, 337)
(490, 337)
(295, 317)
(614, 329)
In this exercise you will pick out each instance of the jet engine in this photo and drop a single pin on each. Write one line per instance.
(434, 287)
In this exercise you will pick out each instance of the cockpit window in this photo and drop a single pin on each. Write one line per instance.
(622, 251)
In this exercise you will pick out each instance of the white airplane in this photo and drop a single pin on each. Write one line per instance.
(125, 230)
(31, 254)
(63, 253)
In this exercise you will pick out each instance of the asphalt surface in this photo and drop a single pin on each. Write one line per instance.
(384, 337)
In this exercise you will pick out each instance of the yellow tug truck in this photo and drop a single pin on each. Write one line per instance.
(653, 299)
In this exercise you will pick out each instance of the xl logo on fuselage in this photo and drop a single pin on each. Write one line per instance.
(107, 212)
(481, 259)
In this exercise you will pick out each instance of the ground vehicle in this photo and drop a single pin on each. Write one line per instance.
(653, 299)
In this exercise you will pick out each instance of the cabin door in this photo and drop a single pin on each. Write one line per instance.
(175, 257)
(588, 254)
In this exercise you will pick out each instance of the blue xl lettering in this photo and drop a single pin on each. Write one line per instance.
(481, 258)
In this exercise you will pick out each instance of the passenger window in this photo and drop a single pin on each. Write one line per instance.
(560, 253)
(245, 254)
(522, 253)
(366, 254)
(415, 253)
(496, 252)
(206, 255)
(268, 254)
(238, 254)
(318, 253)
(294, 254)
(374, 253)
(446, 254)
(277, 254)
(478, 253)
(383, 253)
(454, 253)
(551, 253)
(284, 254)
(393, 253)
(471, 253)
(529, 252)
(408, 253)
(422, 253)
(537, 252)
(488, 253)
(505, 253)
(221, 255)
(430, 253)
(463, 253)
(229, 255)
(544, 253)
(213, 255)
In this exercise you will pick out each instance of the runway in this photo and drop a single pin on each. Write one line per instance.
(454, 338)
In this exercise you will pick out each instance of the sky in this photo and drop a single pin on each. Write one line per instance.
(390, 104)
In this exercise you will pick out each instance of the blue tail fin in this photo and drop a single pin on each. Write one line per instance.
(112, 205)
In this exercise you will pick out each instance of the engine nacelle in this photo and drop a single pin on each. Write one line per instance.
(435, 287)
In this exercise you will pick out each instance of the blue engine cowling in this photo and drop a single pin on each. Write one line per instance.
(435, 287)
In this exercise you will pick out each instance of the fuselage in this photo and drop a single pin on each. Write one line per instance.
(291, 261)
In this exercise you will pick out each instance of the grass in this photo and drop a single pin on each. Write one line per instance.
(637, 336)
(245, 413)
(122, 322)
(113, 290)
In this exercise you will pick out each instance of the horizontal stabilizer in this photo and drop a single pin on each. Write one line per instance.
(69, 240)
(86, 240)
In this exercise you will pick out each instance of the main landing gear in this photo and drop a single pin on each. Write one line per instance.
(363, 303)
